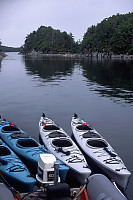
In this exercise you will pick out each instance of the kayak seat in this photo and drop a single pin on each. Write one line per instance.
(4, 151)
(19, 135)
(91, 135)
(27, 143)
(62, 143)
(9, 129)
(84, 127)
(56, 134)
(97, 143)
(51, 127)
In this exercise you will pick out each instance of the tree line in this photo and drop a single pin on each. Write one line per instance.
(10, 49)
(49, 40)
(112, 35)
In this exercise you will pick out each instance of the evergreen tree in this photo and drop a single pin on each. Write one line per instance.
(49, 40)
(113, 34)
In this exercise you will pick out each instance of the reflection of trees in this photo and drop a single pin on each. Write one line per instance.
(114, 78)
(48, 69)
(0, 65)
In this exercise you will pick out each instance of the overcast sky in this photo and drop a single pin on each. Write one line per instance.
(18, 18)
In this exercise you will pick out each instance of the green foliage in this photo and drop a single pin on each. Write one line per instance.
(113, 34)
(49, 40)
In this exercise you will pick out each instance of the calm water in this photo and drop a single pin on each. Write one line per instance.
(101, 92)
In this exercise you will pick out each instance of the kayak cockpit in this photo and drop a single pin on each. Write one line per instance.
(8, 129)
(62, 143)
(4, 151)
(96, 143)
(27, 143)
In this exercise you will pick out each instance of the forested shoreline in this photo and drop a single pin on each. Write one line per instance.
(111, 37)
(10, 49)
(113, 34)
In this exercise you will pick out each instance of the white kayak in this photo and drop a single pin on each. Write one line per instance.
(100, 152)
(58, 142)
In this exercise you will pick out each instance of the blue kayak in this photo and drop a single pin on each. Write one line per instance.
(14, 171)
(26, 147)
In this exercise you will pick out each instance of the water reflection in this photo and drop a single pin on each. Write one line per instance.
(0, 65)
(112, 79)
(48, 69)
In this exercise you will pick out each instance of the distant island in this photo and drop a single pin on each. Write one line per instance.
(10, 49)
(111, 37)
(4, 49)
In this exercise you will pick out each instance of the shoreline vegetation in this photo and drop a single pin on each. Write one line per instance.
(96, 55)
(112, 38)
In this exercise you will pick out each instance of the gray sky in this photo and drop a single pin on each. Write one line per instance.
(18, 18)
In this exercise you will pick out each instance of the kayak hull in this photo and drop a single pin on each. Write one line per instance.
(26, 147)
(58, 142)
(99, 151)
(13, 170)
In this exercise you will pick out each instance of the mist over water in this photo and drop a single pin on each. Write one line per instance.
(99, 91)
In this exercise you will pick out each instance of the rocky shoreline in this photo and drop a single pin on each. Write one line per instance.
(82, 56)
